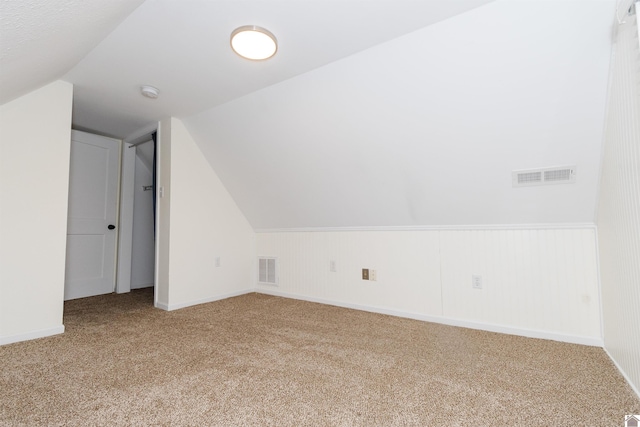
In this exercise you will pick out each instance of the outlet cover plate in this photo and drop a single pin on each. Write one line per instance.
(476, 282)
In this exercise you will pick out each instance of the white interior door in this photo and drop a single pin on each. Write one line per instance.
(91, 232)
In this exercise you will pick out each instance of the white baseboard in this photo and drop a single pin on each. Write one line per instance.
(162, 306)
(558, 226)
(171, 307)
(623, 373)
(530, 333)
(41, 333)
(142, 286)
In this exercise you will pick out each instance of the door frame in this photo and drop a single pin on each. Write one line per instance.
(125, 234)
(126, 202)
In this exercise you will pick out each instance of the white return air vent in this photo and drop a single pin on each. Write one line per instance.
(544, 176)
(267, 271)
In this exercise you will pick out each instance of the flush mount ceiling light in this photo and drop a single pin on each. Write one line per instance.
(253, 42)
(149, 91)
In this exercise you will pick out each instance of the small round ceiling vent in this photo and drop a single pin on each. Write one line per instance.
(150, 92)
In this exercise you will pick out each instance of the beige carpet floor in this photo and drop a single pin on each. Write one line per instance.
(258, 360)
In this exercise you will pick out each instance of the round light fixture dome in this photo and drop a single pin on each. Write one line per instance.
(253, 42)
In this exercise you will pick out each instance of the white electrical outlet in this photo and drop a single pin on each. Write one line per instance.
(476, 282)
(332, 266)
(372, 275)
(217, 261)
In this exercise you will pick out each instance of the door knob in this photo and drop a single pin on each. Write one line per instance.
(111, 227)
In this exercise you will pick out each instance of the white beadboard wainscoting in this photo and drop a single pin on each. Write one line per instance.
(535, 282)
(619, 207)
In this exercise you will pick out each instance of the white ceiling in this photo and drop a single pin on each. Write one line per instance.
(424, 130)
(40, 40)
(372, 113)
(182, 47)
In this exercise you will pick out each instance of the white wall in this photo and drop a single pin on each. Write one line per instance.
(426, 128)
(619, 209)
(163, 213)
(407, 264)
(143, 245)
(536, 282)
(35, 138)
(205, 224)
(535, 279)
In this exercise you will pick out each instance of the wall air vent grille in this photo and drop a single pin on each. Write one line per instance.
(267, 271)
(542, 176)
(529, 178)
(558, 175)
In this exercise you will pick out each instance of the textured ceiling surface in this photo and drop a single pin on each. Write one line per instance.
(40, 40)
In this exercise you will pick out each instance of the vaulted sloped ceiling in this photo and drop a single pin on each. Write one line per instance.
(372, 113)
(40, 40)
(424, 130)
(182, 47)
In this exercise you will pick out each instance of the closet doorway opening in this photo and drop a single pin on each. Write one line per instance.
(139, 165)
(111, 216)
